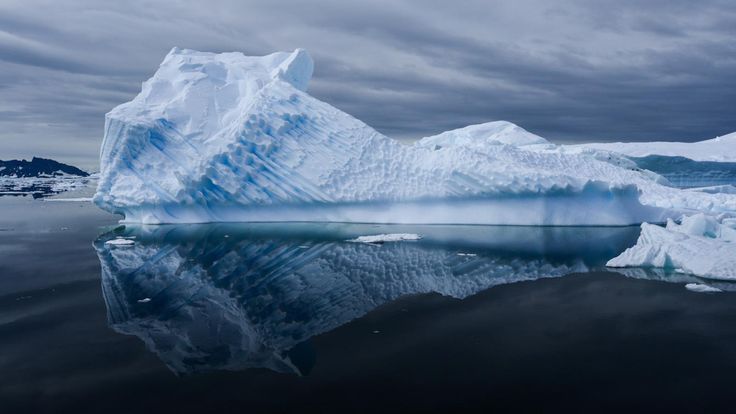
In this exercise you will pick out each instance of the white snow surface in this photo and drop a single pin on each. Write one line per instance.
(489, 133)
(720, 149)
(390, 237)
(226, 137)
(700, 245)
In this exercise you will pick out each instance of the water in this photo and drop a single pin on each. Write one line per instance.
(290, 317)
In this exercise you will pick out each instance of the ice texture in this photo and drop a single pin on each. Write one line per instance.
(227, 137)
(700, 245)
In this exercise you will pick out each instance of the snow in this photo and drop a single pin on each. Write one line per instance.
(701, 288)
(490, 133)
(120, 242)
(700, 245)
(721, 149)
(391, 237)
(231, 138)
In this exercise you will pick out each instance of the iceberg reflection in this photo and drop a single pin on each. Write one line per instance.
(238, 296)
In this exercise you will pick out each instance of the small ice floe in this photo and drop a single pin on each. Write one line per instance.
(383, 238)
(304, 246)
(467, 254)
(701, 288)
(120, 242)
(144, 300)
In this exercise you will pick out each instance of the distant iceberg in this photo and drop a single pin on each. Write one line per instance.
(719, 149)
(227, 137)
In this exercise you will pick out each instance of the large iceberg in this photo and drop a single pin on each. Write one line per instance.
(226, 137)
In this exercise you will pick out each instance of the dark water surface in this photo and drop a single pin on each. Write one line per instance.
(291, 318)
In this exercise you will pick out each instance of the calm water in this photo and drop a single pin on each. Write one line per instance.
(287, 318)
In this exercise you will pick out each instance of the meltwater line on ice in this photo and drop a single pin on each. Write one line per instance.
(227, 137)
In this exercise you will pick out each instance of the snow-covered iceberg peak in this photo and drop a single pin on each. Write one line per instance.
(497, 132)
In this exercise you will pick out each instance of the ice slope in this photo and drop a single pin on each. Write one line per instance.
(700, 245)
(720, 149)
(226, 137)
(489, 133)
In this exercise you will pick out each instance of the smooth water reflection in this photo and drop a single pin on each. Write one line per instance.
(232, 297)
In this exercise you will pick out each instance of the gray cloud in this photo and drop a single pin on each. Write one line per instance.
(570, 71)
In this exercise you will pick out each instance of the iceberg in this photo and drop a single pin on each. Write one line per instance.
(719, 149)
(700, 245)
(232, 138)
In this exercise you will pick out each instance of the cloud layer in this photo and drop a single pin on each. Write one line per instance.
(569, 71)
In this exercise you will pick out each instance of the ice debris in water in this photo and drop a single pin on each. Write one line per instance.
(390, 237)
(701, 288)
(120, 242)
(227, 137)
(700, 245)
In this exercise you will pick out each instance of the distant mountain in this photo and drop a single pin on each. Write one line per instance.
(38, 167)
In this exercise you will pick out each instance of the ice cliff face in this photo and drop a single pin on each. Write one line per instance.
(225, 137)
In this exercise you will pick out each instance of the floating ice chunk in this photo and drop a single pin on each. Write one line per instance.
(701, 288)
(700, 246)
(120, 242)
(467, 254)
(382, 238)
(144, 300)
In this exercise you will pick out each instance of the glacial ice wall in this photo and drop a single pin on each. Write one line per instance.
(226, 137)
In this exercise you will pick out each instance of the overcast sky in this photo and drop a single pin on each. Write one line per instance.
(566, 70)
